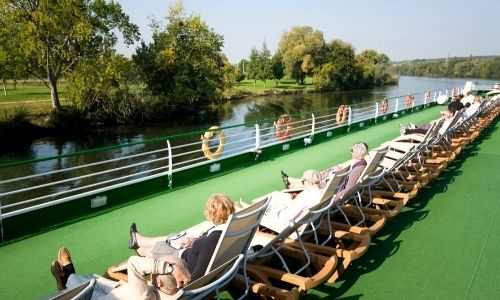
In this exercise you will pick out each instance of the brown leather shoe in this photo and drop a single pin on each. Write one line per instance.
(57, 272)
(64, 257)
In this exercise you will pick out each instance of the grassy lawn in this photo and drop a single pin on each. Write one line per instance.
(29, 92)
(285, 84)
(34, 99)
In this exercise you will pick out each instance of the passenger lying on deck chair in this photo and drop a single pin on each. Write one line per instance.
(194, 251)
(286, 207)
(446, 114)
(358, 163)
(471, 109)
(168, 274)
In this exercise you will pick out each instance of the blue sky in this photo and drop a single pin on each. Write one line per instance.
(401, 29)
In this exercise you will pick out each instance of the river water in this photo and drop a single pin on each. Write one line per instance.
(227, 114)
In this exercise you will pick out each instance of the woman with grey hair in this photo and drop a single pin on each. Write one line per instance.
(358, 152)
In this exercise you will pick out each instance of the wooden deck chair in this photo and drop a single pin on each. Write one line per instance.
(212, 282)
(442, 146)
(410, 167)
(423, 151)
(288, 244)
(81, 292)
(347, 246)
(396, 185)
(238, 234)
(468, 130)
(375, 174)
(234, 240)
(350, 210)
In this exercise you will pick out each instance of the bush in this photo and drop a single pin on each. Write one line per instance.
(16, 118)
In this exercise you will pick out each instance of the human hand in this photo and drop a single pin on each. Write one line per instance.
(181, 274)
(186, 241)
(119, 283)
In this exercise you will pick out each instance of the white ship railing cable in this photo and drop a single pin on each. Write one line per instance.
(184, 156)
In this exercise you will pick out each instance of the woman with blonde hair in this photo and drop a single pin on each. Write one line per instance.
(196, 252)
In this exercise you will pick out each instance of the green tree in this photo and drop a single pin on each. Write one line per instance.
(12, 65)
(98, 87)
(253, 65)
(239, 75)
(264, 64)
(277, 67)
(54, 34)
(341, 54)
(302, 49)
(374, 68)
(184, 64)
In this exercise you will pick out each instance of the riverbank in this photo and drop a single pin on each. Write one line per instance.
(34, 117)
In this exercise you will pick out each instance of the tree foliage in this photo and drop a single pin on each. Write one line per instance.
(477, 67)
(277, 67)
(99, 87)
(339, 70)
(253, 65)
(374, 67)
(302, 49)
(184, 64)
(54, 35)
(260, 65)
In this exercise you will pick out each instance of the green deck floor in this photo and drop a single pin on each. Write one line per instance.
(444, 244)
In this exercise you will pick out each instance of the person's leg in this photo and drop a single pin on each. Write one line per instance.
(420, 129)
(145, 251)
(75, 280)
(295, 183)
(146, 241)
(425, 127)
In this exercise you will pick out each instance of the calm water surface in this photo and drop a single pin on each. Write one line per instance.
(230, 113)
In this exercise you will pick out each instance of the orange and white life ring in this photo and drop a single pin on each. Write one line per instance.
(207, 136)
(341, 116)
(384, 105)
(427, 97)
(283, 132)
(409, 101)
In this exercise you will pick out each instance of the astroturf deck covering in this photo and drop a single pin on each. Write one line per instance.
(444, 244)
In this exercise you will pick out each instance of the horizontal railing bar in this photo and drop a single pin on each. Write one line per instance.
(81, 166)
(80, 188)
(80, 177)
(70, 198)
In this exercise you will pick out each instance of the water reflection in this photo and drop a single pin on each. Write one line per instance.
(248, 110)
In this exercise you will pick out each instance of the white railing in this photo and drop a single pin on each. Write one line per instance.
(94, 172)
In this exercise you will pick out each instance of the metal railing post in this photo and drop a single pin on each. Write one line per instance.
(169, 172)
(313, 129)
(397, 104)
(257, 149)
(376, 110)
(349, 119)
(1, 224)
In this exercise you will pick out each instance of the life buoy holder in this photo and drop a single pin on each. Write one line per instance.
(384, 105)
(283, 133)
(427, 97)
(341, 116)
(207, 136)
(409, 101)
